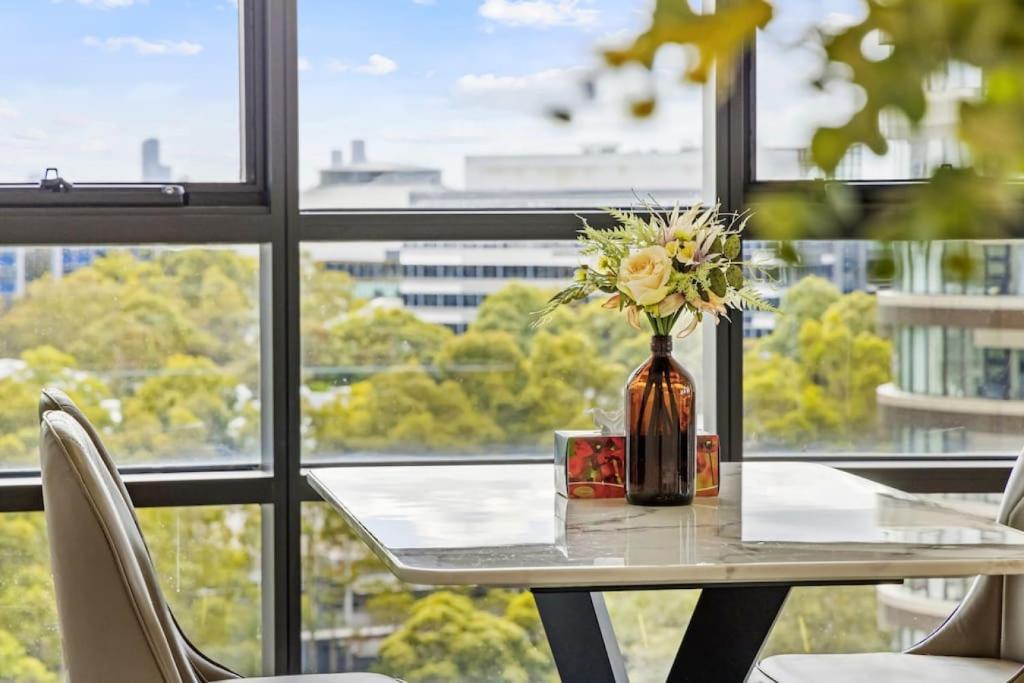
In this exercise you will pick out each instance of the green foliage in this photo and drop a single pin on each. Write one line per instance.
(403, 410)
(837, 619)
(813, 380)
(715, 36)
(512, 310)
(805, 300)
(446, 638)
(919, 40)
(371, 340)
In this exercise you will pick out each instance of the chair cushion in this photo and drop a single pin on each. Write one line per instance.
(888, 668)
(326, 678)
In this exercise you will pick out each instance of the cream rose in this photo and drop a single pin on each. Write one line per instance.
(644, 275)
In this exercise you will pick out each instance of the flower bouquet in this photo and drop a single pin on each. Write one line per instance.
(683, 264)
(670, 266)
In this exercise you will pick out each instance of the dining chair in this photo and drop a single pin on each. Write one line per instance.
(114, 622)
(982, 641)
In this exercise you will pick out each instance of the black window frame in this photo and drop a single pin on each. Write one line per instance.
(264, 209)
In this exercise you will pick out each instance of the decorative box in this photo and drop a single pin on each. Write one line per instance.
(707, 465)
(589, 464)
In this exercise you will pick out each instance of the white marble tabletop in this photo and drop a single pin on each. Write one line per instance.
(774, 522)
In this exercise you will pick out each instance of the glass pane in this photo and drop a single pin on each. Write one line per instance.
(159, 345)
(790, 109)
(356, 616)
(884, 618)
(449, 105)
(912, 348)
(119, 91)
(842, 619)
(419, 348)
(208, 560)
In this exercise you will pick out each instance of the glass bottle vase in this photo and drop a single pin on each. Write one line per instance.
(661, 430)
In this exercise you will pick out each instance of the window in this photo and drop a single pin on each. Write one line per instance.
(208, 562)
(789, 109)
(160, 345)
(120, 91)
(436, 208)
(460, 117)
(885, 364)
(476, 380)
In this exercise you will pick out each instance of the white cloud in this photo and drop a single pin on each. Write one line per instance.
(487, 84)
(108, 4)
(7, 110)
(144, 47)
(539, 13)
(533, 93)
(94, 146)
(305, 64)
(376, 65)
(34, 134)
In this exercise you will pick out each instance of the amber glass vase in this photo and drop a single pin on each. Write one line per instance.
(661, 430)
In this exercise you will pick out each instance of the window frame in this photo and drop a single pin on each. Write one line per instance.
(22, 199)
(264, 209)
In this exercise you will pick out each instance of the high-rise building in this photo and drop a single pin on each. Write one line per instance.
(152, 170)
(958, 347)
(12, 273)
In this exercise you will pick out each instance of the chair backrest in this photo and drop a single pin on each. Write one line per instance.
(989, 622)
(55, 399)
(114, 623)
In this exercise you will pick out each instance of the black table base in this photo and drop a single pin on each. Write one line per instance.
(726, 633)
(721, 643)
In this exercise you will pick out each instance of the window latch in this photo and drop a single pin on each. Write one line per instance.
(54, 183)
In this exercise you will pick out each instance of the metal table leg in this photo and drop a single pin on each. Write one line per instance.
(726, 633)
(581, 637)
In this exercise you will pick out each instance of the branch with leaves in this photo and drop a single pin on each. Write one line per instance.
(922, 40)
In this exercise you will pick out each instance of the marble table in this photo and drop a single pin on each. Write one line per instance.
(775, 525)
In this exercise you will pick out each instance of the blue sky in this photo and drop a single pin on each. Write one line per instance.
(83, 82)
(432, 82)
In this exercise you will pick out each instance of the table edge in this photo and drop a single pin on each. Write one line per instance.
(576, 577)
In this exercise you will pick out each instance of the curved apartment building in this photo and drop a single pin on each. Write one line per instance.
(956, 318)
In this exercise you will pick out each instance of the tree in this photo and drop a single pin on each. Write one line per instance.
(446, 638)
(830, 620)
(489, 366)
(817, 385)
(191, 410)
(403, 410)
(208, 560)
(374, 340)
(806, 300)
(512, 309)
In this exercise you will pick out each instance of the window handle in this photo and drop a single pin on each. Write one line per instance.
(54, 183)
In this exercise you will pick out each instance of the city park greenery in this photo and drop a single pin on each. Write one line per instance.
(161, 349)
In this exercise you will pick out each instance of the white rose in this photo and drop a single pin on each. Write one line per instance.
(644, 275)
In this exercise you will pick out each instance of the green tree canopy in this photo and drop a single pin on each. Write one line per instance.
(446, 638)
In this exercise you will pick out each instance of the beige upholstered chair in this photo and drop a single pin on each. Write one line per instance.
(981, 642)
(115, 625)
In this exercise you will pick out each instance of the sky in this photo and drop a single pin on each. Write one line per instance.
(426, 82)
(84, 82)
